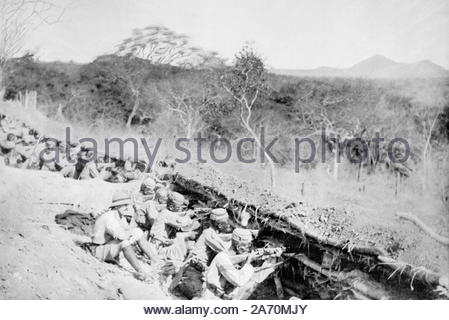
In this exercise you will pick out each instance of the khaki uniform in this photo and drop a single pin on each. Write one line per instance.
(146, 211)
(163, 219)
(46, 163)
(112, 233)
(68, 169)
(131, 172)
(222, 272)
(89, 171)
(191, 284)
(176, 252)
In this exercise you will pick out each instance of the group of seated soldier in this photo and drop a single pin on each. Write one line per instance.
(17, 142)
(201, 252)
(26, 148)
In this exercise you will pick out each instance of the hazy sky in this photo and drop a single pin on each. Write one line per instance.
(288, 33)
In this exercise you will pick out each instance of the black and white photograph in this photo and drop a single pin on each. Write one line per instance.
(190, 151)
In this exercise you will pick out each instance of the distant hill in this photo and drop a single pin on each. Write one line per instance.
(374, 67)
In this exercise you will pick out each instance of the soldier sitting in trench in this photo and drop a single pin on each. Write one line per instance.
(68, 169)
(153, 216)
(25, 136)
(18, 146)
(52, 158)
(148, 203)
(105, 167)
(231, 274)
(161, 197)
(147, 190)
(8, 143)
(173, 215)
(115, 175)
(88, 158)
(115, 231)
(25, 143)
(171, 231)
(223, 275)
(8, 149)
(214, 239)
(130, 171)
(47, 155)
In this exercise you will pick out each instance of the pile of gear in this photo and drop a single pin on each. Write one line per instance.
(24, 147)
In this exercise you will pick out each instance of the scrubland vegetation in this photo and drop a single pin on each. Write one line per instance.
(186, 90)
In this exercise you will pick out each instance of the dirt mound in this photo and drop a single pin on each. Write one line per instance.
(351, 226)
(38, 259)
(329, 256)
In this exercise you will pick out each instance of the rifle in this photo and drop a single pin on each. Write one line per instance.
(199, 213)
(274, 266)
(76, 206)
(55, 203)
(202, 210)
(266, 253)
(260, 254)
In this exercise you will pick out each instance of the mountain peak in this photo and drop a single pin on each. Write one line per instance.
(377, 57)
(429, 64)
(377, 66)
(371, 65)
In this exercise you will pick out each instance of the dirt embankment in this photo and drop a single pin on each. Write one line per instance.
(352, 225)
(38, 259)
(373, 256)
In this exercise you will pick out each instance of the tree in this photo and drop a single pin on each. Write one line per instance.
(189, 101)
(122, 81)
(425, 120)
(17, 19)
(27, 74)
(160, 45)
(244, 82)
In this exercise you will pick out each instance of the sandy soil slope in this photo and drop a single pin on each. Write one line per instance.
(38, 259)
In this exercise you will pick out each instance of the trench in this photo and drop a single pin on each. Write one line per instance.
(314, 268)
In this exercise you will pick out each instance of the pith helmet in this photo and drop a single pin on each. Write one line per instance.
(120, 198)
(219, 214)
(241, 235)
